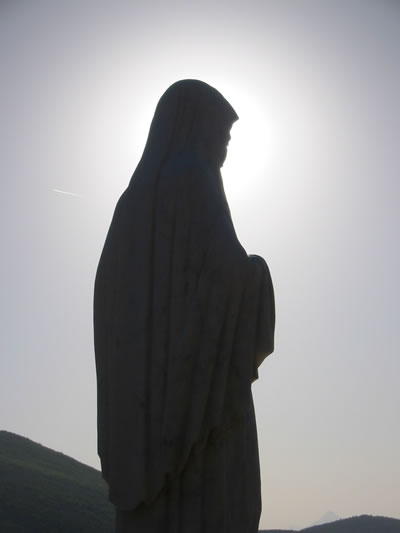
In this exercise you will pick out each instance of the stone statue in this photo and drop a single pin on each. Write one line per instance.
(182, 319)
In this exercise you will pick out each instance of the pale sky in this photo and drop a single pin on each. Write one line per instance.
(312, 177)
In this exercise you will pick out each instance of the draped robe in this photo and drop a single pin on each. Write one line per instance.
(183, 317)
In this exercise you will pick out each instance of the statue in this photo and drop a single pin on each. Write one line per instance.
(183, 317)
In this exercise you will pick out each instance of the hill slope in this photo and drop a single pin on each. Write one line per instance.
(356, 524)
(43, 491)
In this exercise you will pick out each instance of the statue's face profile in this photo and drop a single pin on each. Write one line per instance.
(218, 141)
(225, 138)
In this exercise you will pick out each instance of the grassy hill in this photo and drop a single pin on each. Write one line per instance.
(43, 491)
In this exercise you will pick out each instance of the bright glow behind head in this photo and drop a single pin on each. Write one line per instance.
(252, 143)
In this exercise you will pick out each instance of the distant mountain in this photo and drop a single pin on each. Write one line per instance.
(356, 524)
(43, 491)
(330, 516)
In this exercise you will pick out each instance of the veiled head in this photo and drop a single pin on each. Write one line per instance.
(192, 116)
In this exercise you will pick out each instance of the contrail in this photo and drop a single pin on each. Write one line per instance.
(68, 193)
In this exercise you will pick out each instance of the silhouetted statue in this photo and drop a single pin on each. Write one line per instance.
(182, 317)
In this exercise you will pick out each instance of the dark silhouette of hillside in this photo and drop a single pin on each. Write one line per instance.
(356, 524)
(45, 491)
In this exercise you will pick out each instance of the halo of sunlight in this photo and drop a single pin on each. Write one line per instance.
(249, 141)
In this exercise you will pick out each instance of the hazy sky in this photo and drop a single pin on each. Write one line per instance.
(312, 177)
